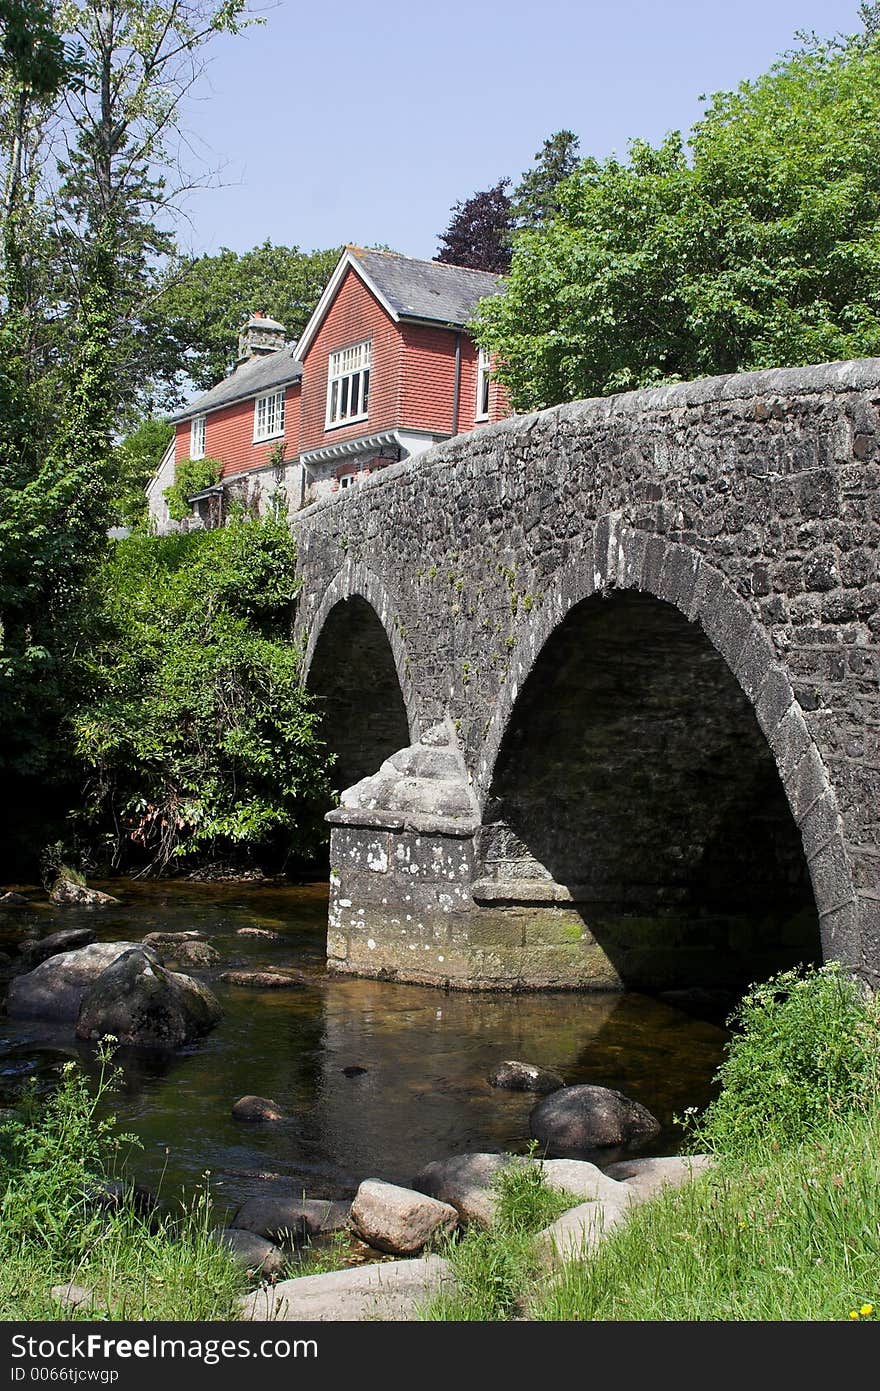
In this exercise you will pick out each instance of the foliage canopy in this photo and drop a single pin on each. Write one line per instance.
(761, 249)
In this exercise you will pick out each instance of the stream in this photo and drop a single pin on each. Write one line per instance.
(425, 1053)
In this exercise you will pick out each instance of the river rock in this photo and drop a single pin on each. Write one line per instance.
(399, 1220)
(264, 932)
(11, 899)
(70, 891)
(252, 1251)
(579, 1120)
(464, 1182)
(585, 1181)
(524, 1077)
(55, 988)
(192, 954)
(266, 980)
(71, 1296)
(167, 941)
(645, 1177)
(143, 1005)
(68, 939)
(391, 1291)
(256, 1108)
(578, 1232)
(289, 1219)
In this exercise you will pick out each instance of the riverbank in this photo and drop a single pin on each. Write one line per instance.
(784, 1225)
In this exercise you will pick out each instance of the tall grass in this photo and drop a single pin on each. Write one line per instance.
(57, 1225)
(493, 1268)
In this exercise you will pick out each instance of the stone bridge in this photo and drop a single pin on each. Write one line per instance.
(602, 684)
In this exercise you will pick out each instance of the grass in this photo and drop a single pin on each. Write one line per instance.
(56, 1226)
(494, 1268)
(321, 1257)
(795, 1236)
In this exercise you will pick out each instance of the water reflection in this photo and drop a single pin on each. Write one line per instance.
(375, 1079)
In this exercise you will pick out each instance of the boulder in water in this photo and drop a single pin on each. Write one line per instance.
(55, 988)
(256, 1108)
(575, 1121)
(524, 1077)
(142, 1005)
(68, 939)
(66, 890)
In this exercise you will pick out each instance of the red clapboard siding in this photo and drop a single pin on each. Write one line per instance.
(354, 316)
(229, 435)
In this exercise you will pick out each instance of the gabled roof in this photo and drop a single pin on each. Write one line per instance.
(407, 289)
(257, 374)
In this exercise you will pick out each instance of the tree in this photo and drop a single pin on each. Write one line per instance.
(535, 200)
(198, 737)
(479, 233)
(762, 251)
(205, 300)
(136, 459)
(110, 79)
(122, 161)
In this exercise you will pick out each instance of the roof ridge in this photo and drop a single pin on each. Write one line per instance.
(422, 260)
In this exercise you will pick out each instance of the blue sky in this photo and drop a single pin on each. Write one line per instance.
(365, 122)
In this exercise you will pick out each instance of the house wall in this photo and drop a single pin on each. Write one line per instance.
(354, 317)
(229, 435)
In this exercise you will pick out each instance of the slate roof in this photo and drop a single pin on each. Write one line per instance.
(427, 289)
(260, 373)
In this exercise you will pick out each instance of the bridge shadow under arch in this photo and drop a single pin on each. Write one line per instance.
(353, 674)
(633, 773)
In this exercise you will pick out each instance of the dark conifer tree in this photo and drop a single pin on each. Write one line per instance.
(534, 199)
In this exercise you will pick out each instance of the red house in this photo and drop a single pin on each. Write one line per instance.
(384, 369)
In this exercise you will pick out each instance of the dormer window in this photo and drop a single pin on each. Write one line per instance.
(269, 416)
(348, 384)
(484, 378)
(197, 437)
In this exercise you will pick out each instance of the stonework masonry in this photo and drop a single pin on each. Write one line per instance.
(645, 629)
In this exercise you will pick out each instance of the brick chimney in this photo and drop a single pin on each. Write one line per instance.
(260, 335)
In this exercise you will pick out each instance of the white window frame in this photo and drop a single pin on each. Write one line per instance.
(269, 416)
(348, 378)
(484, 379)
(197, 437)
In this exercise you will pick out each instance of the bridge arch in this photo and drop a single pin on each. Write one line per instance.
(356, 664)
(648, 570)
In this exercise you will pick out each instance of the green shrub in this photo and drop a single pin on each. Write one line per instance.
(191, 476)
(199, 737)
(807, 1049)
